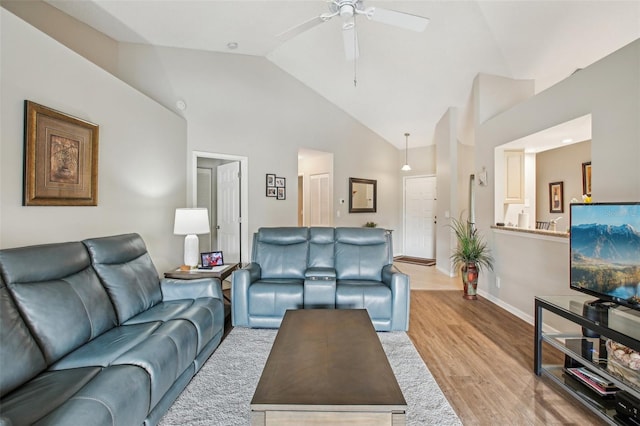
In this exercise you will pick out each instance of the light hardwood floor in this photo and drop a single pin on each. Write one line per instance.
(482, 358)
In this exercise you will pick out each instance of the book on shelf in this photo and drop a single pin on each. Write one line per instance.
(601, 385)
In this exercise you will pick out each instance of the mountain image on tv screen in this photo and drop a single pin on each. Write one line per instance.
(605, 250)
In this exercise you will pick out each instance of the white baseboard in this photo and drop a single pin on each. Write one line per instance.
(515, 311)
(450, 274)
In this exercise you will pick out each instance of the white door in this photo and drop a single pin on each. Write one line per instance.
(228, 211)
(420, 216)
(319, 200)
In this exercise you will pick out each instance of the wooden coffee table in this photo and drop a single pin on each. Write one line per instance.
(327, 366)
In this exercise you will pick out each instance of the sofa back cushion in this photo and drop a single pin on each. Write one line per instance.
(20, 357)
(321, 247)
(58, 295)
(361, 253)
(281, 252)
(127, 272)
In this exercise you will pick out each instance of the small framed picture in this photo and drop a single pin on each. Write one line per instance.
(556, 197)
(211, 259)
(271, 191)
(280, 182)
(586, 179)
(271, 179)
(282, 193)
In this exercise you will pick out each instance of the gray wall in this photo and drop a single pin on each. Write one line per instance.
(608, 89)
(142, 148)
(245, 105)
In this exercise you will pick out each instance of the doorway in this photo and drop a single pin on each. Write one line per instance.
(218, 184)
(420, 216)
(315, 186)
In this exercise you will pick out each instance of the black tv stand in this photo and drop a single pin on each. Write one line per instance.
(573, 346)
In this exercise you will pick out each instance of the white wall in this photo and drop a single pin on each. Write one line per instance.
(609, 90)
(247, 106)
(447, 189)
(142, 148)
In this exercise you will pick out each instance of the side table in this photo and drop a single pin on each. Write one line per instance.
(194, 274)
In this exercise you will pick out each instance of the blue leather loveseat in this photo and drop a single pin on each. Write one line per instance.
(91, 336)
(333, 268)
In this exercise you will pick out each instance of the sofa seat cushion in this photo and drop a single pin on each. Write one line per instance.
(44, 393)
(272, 297)
(163, 311)
(104, 349)
(118, 396)
(373, 296)
(206, 315)
(165, 355)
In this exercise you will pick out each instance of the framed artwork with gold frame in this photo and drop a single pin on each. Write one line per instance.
(60, 159)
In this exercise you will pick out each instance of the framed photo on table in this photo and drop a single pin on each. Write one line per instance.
(211, 259)
(556, 197)
(60, 159)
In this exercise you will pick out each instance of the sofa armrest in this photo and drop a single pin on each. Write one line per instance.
(174, 289)
(241, 279)
(401, 291)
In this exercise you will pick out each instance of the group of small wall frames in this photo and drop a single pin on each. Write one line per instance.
(276, 187)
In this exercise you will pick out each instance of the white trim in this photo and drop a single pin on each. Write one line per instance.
(517, 312)
(244, 192)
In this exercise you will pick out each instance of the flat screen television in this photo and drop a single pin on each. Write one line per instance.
(605, 251)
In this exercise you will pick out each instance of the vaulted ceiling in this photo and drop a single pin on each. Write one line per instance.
(405, 80)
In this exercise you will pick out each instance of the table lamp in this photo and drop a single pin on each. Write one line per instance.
(191, 222)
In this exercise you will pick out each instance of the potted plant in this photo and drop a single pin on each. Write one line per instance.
(471, 255)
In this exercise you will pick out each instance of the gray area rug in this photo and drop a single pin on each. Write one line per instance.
(221, 392)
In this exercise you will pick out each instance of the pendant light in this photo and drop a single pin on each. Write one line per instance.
(406, 166)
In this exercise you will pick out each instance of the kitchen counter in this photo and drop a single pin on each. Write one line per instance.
(544, 232)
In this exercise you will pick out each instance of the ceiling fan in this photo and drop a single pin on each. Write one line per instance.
(348, 10)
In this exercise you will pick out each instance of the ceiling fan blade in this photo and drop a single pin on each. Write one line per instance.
(300, 28)
(350, 38)
(398, 19)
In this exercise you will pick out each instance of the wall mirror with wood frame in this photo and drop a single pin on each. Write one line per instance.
(362, 195)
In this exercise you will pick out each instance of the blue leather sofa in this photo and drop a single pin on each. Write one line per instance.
(333, 268)
(91, 336)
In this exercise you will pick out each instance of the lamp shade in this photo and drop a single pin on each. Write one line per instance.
(191, 221)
